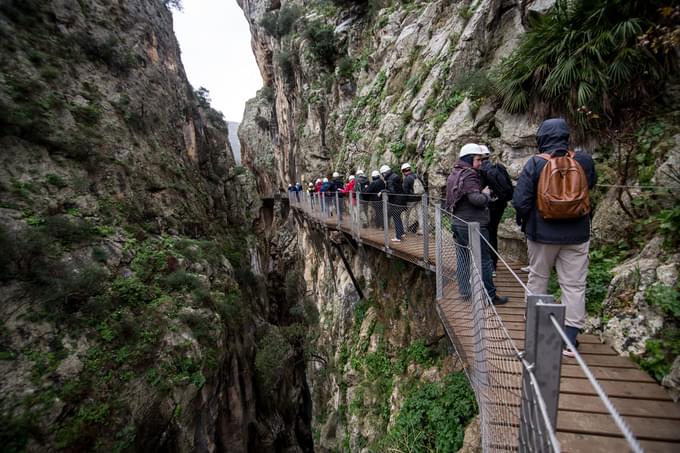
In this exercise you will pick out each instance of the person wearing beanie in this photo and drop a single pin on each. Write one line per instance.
(372, 196)
(468, 202)
(560, 243)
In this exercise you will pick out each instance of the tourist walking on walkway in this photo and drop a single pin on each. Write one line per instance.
(372, 195)
(393, 185)
(337, 184)
(413, 192)
(497, 178)
(558, 237)
(469, 203)
(360, 186)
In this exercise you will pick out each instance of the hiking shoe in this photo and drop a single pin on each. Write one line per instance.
(567, 352)
(499, 300)
(524, 269)
(493, 274)
(395, 240)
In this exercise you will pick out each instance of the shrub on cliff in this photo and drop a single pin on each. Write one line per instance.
(585, 59)
(322, 43)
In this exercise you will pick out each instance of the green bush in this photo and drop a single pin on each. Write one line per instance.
(67, 229)
(270, 359)
(131, 291)
(584, 53)
(346, 68)
(55, 180)
(321, 38)
(284, 59)
(179, 280)
(433, 417)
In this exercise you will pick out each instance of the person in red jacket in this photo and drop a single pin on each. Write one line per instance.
(349, 189)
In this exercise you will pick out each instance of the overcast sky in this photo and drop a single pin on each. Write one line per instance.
(215, 42)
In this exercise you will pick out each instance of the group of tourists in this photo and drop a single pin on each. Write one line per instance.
(551, 200)
(552, 207)
(403, 191)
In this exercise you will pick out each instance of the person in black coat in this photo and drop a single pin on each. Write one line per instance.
(372, 195)
(562, 243)
(393, 185)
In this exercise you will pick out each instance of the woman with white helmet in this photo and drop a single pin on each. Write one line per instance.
(468, 202)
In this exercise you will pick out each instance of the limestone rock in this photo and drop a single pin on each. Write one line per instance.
(672, 380)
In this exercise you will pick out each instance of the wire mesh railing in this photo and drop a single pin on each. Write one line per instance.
(516, 387)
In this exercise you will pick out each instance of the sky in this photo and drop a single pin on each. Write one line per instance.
(215, 41)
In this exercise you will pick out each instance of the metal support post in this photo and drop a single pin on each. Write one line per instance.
(337, 207)
(386, 222)
(425, 229)
(479, 300)
(439, 263)
(543, 351)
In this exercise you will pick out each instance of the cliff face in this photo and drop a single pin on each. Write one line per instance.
(134, 292)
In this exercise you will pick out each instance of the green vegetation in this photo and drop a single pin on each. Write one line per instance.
(661, 351)
(584, 59)
(433, 417)
(284, 59)
(321, 37)
(280, 23)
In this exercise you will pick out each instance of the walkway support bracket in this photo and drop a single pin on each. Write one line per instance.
(386, 224)
(425, 228)
(543, 351)
(439, 263)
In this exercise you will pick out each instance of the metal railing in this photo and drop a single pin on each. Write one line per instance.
(516, 386)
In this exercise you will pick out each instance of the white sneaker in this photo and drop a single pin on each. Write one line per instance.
(568, 353)
(524, 269)
(395, 240)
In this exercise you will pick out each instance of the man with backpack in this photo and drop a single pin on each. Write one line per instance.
(553, 209)
(496, 177)
(413, 191)
(394, 186)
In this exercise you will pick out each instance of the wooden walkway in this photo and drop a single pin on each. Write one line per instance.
(583, 423)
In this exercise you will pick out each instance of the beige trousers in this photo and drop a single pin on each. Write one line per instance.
(571, 263)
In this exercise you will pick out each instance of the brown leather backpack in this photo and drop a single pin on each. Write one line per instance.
(562, 191)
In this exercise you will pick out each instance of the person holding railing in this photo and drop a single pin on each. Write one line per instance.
(556, 219)
(393, 185)
(360, 187)
(468, 202)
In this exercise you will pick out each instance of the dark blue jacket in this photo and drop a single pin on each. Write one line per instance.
(552, 138)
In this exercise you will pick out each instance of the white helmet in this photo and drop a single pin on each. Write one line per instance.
(325, 179)
(384, 169)
(404, 166)
(470, 148)
(311, 184)
(351, 177)
(336, 174)
(375, 174)
(318, 180)
(485, 150)
(360, 172)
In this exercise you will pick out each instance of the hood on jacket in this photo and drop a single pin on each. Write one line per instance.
(553, 135)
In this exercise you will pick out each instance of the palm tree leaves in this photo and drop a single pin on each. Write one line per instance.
(584, 53)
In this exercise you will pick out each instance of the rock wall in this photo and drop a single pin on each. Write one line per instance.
(134, 292)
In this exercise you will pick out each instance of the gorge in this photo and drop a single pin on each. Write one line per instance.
(155, 295)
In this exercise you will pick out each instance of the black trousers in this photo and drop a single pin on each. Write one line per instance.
(496, 210)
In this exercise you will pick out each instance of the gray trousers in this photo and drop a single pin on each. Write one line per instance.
(571, 263)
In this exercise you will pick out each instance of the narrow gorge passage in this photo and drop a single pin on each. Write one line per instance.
(157, 291)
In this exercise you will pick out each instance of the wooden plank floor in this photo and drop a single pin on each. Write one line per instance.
(583, 423)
